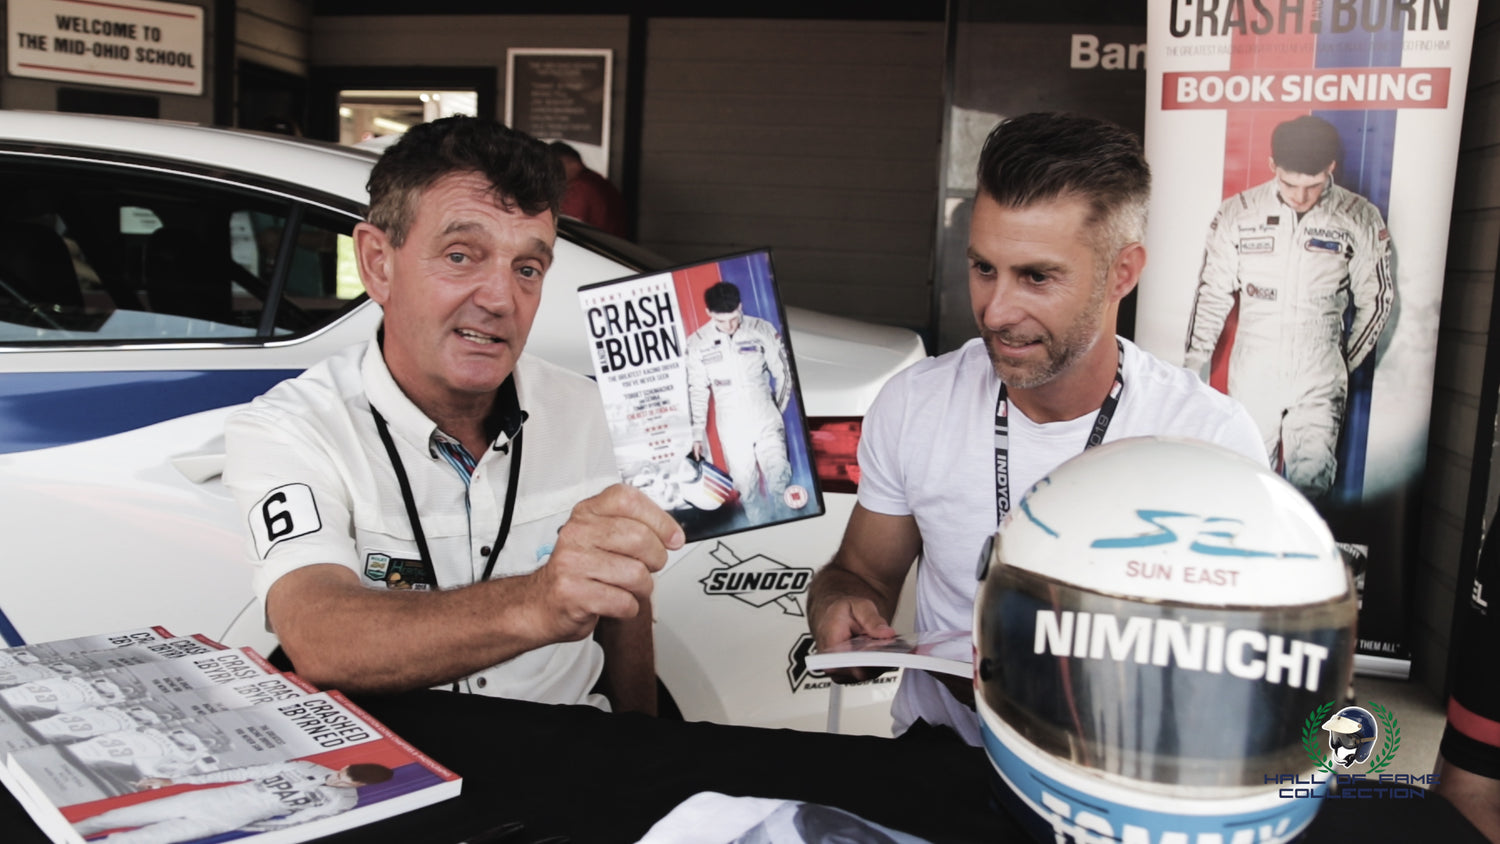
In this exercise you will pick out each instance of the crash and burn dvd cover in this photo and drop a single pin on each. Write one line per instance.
(700, 388)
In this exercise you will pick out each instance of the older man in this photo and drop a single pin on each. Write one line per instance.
(399, 538)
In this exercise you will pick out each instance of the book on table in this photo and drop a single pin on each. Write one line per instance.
(943, 651)
(216, 747)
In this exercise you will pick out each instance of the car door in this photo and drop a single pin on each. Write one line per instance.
(140, 301)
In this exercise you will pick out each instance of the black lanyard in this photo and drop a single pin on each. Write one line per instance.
(1002, 433)
(411, 503)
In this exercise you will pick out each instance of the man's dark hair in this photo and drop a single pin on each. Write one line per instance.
(520, 169)
(1042, 157)
(562, 150)
(367, 773)
(722, 298)
(1305, 145)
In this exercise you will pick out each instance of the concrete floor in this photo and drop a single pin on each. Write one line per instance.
(1419, 714)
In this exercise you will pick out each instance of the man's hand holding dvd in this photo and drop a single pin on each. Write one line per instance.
(141, 736)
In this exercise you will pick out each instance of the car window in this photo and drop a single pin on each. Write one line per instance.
(90, 253)
(321, 276)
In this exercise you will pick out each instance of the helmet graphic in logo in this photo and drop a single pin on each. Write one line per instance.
(1351, 735)
(1147, 615)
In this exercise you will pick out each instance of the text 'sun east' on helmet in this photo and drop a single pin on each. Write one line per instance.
(1155, 620)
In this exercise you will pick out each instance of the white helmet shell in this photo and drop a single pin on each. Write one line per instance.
(1174, 520)
(1155, 620)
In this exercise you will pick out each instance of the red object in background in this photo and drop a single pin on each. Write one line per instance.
(594, 199)
(835, 447)
(1219, 368)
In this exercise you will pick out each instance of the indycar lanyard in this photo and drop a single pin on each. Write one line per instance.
(1002, 433)
(411, 503)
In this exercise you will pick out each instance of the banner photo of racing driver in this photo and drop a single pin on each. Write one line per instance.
(1303, 157)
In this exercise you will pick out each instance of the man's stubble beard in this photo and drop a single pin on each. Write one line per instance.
(1061, 355)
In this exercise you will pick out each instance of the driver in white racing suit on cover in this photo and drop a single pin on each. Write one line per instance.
(264, 797)
(742, 362)
(1296, 249)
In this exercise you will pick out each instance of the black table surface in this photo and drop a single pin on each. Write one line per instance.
(595, 777)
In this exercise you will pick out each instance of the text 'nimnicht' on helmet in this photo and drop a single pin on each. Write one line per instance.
(1154, 620)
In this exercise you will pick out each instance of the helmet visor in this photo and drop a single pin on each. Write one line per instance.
(1159, 692)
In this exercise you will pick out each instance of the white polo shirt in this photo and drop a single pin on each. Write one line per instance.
(308, 469)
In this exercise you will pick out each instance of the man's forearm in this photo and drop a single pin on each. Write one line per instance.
(340, 634)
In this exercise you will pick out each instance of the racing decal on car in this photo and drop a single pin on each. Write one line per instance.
(796, 671)
(1257, 245)
(757, 580)
(1265, 294)
(399, 574)
(66, 405)
(286, 512)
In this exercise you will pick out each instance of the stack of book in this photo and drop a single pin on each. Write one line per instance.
(148, 737)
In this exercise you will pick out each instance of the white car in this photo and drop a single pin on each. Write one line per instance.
(154, 276)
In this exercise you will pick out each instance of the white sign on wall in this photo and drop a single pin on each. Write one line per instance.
(138, 44)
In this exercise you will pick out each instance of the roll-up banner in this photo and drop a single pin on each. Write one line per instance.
(1303, 156)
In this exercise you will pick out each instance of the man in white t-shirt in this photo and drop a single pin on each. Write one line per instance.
(953, 442)
(433, 507)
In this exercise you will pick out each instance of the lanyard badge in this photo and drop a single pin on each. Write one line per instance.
(1002, 433)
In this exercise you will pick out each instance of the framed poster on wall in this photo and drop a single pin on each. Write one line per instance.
(562, 95)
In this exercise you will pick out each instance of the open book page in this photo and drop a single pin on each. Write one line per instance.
(55, 650)
(40, 662)
(944, 651)
(120, 685)
(285, 771)
(699, 385)
(31, 718)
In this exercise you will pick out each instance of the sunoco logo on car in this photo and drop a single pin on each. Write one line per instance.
(757, 580)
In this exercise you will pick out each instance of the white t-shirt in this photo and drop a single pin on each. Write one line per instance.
(316, 485)
(928, 450)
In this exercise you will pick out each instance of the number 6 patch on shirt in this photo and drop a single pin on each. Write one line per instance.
(285, 513)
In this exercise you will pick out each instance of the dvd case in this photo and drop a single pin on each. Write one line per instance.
(699, 384)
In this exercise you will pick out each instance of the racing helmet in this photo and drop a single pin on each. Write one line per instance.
(1351, 735)
(1156, 621)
